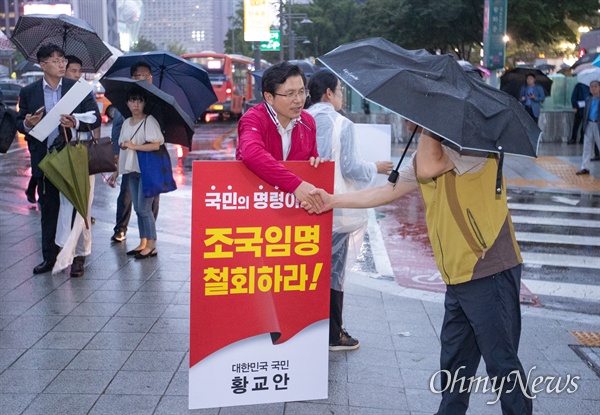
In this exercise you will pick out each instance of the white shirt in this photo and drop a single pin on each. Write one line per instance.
(148, 133)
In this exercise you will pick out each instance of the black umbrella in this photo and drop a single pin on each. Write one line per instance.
(178, 127)
(588, 58)
(512, 81)
(187, 81)
(435, 92)
(545, 67)
(75, 36)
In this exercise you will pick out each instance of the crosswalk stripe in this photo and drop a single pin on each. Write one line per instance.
(536, 220)
(563, 289)
(553, 238)
(553, 208)
(560, 260)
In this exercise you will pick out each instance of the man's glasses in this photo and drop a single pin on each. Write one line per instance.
(301, 94)
(57, 62)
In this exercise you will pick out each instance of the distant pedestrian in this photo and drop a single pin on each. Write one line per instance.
(591, 117)
(532, 96)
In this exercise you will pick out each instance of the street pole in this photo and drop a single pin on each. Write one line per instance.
(281, 23)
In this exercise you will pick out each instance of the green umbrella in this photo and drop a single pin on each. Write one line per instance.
(67, 169)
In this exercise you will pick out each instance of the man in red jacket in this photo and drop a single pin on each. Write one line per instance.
(279, 129)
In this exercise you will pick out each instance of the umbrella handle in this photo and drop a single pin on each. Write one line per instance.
(394, 174)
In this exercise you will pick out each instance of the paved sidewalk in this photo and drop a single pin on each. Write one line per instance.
(116, 341)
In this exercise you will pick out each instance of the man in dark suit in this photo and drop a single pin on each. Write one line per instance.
(35, 100)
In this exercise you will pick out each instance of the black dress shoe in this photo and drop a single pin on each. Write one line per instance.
(77, 267)
(134, 252)
(582, 172)
(139, 255)
(43, 267)
(30, 196)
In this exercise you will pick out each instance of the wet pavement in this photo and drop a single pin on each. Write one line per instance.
(117, 340)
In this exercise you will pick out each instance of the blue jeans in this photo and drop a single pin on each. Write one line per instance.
(142, 206)
(124, 205)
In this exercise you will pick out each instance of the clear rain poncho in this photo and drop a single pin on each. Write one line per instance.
(336, 141)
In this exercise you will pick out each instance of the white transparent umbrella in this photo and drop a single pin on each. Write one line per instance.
(588, 75)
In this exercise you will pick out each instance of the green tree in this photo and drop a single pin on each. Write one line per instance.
(143, 45)
(176, 48)
(457, 25)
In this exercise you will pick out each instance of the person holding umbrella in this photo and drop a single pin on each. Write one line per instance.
(138, 71)
(336, 141)
(35, 100)
(140, 132)
(531, 96)
(591, 117)
(477, 254)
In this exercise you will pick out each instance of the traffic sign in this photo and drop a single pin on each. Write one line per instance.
(273, 44)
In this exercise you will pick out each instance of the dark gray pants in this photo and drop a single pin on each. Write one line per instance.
(483, 319)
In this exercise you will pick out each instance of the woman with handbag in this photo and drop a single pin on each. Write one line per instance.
(139, 133)
(336, 141)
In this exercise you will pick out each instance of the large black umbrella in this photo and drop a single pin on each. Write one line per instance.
(512, 81)
(187, 81)
(178, 127)
(436, 93)
(75, 36)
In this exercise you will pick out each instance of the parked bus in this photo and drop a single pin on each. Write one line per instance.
(231, 79)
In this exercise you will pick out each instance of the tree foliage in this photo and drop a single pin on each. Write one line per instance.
(435, 25)
(176, 48)
(143, 45)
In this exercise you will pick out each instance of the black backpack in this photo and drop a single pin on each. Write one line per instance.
(8, 127)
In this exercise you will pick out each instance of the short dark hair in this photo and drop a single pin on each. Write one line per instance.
(318, 84)
(73, 59)
(136, 93)
(45, 51)
(137, 65)
(278, 74)
(530, 74)
(595, 81)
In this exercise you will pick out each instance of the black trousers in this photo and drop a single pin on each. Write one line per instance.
(48, 197)
(530, 112)
(577, 131)
(336, 306)
(483, 319)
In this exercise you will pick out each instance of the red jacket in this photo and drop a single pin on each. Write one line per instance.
(260, 147)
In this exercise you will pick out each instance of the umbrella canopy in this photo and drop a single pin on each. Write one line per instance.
(110, 61)
(512, 81)
(27, 66)
(584, 61)
(471, 69)
(545, 67)
(436, 93)
(178, 128)
(75, 36)
(68, 171)
(187, 81)
(588, 75)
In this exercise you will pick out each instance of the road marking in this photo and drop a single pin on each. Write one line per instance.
(534, 220)
(553, 238)
(565, 200)
(553, 208)
(564, 289)
(380, 255)
(560, 260)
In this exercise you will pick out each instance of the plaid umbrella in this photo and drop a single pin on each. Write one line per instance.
(75, 36)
